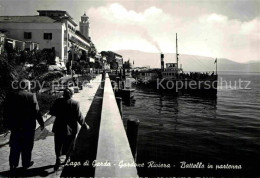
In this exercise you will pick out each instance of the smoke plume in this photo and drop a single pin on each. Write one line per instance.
(149, 39)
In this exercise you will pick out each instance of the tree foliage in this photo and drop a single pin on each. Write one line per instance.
(127, 64)
(92, 50)
(18, 64)
(113, 65)
(49, 56)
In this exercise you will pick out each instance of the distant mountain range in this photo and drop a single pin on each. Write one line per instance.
(188, 62)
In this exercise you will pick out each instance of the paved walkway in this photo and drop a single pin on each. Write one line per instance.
(86, 143)
(43, 153)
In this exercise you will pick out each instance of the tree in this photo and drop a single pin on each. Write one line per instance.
(26, 64)
(91, 64)
(74, 62)
(83, 56)
(113, 65)
(92, 50)
(98, 65)
(127, 65)
(49, 55)
(7, 75)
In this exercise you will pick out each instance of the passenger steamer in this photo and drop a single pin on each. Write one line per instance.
(173, 78)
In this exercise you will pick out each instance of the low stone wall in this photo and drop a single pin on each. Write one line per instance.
(114, 157)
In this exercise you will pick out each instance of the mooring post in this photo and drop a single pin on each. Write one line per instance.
(132, 134)
(119, 104)
(118, 82)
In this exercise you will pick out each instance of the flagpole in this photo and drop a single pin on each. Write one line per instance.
(216, 66)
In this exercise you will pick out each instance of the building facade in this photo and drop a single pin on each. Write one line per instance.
(50, 29)
(114, 60)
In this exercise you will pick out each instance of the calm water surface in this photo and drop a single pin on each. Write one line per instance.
(194, 128)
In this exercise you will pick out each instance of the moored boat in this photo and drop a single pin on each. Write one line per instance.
(174, 78)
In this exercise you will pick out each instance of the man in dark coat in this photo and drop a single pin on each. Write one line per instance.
(65, 127)
(21, 111)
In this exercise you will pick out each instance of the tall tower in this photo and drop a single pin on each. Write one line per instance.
(84, 25)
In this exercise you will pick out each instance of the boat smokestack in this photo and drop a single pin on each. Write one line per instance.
(162, 61)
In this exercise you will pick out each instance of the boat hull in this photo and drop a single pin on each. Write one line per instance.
(179, 85)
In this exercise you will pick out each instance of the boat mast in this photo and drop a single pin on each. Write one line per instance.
(177, 59)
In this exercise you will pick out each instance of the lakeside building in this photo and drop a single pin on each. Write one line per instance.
(106, 65)
(51, 29)
(113, 59)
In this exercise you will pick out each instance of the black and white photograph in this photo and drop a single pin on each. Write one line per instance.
(129, 88)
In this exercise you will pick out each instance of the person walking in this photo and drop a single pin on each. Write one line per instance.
(21, 110)
(67, 116)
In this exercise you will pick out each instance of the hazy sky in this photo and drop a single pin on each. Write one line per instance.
(220, 28)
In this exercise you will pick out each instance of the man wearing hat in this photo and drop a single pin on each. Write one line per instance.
(65, 127)
(21, 111)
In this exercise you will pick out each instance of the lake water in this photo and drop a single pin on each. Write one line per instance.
(218, 135)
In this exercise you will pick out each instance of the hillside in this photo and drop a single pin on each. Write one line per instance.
(188, 62)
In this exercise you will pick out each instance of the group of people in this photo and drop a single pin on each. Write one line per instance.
(196, 75)
(21, 110)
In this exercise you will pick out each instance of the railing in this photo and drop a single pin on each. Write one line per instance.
(114, 157)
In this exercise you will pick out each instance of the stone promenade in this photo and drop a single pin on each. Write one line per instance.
(43, 153)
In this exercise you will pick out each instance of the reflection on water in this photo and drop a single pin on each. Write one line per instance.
(198, 128)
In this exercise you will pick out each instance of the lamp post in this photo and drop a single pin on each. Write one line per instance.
(72, 58)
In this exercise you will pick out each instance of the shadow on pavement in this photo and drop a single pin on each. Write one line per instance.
(42, 134)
